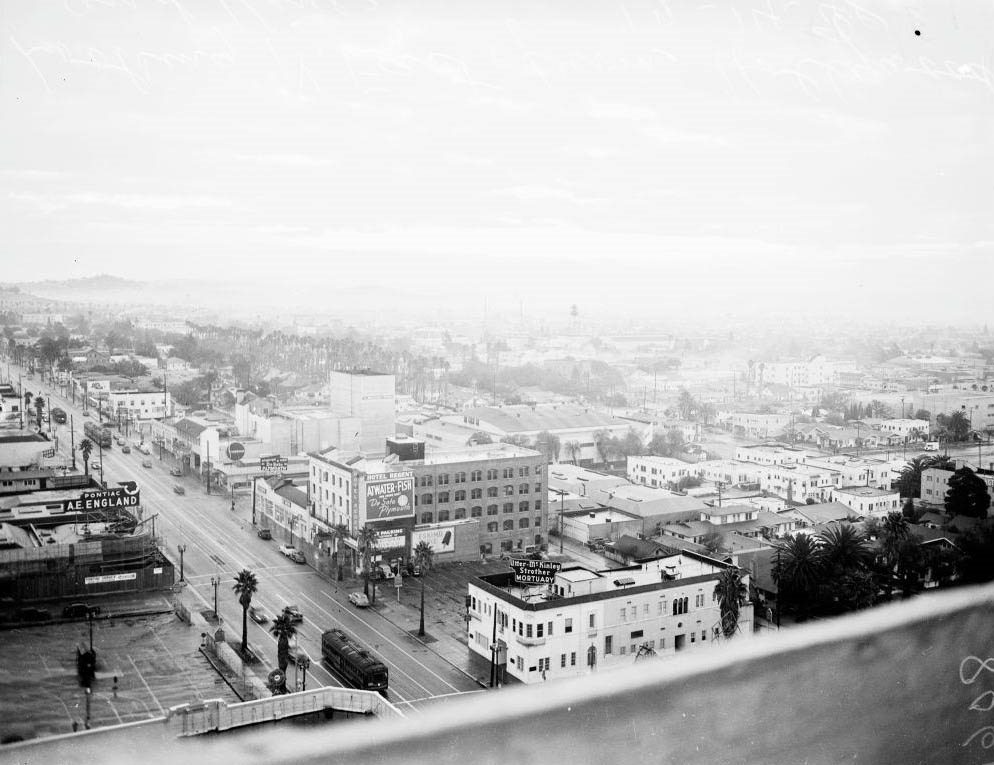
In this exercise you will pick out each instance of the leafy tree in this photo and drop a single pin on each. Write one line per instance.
(967, 494)
(573, 449)
(423, 558)
(631, 445)
(246, 585)
(958, 426)
(39, 410)
(658, 446)
(686, 404)
(713, 542)
(548, 443)
(922, 414)
(86, 449)
(911, 565)
(516, 439)
(688, 482)
(910, 512)
(284, 629)
(602, 443)
(731, 593)
(367, 544)
(674, 441)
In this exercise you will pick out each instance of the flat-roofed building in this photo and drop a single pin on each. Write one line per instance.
(590, 621)
(773, 454)
(658, 471)
(868, 502)
(579, 480)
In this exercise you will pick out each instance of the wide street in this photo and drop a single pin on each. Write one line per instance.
(220, 542)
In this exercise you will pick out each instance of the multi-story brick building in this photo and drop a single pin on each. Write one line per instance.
(589, 620)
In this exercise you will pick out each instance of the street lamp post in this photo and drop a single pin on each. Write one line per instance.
(215, 581)
(182, 549)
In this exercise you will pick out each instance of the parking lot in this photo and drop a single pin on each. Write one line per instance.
(155, 659)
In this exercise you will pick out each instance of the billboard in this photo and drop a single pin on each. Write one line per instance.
(391, 539)
(273, 464)
(535, 571)
(389, 496)
(441, 539)
(109, 499)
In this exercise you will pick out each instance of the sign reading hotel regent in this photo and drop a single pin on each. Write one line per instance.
(110, 499)
(389, 496)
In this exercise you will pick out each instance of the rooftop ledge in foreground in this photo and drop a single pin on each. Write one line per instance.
(907, 683)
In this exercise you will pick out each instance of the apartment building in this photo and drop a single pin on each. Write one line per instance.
(728, 472)
(658, 471)
(853, 471)
(799, 482)
(492, 497)
(935, 483)
(589, 621)
(773, 454)
(867, 501)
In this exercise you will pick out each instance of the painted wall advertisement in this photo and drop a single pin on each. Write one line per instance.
(389, 496)
(441, 539)
(391, 539)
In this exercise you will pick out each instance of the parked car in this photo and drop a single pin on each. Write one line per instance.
(295, 614)
(258, 614)
(147, 463)
(94, 464)
(264, 534)
(179, 490)
(293, 553)
(359, 599)
(125, 449)
(77, 610)
(175, 472)
(86, 414)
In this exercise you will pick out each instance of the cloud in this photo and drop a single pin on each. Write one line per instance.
(287, 160)
(537, 193)
(619, 111)
(49, 203)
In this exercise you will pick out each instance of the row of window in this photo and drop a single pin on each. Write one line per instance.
(460, 494)
(509, 525)
(492, 474)
(633, 647)
(477, 511)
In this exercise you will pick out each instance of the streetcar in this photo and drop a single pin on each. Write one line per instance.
(98, 434)
(353, 662)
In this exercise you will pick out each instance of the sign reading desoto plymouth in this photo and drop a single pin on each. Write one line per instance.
(389, 496)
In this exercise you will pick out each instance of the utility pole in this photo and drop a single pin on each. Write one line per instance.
(562, 526)
(180, 548)
(493, 651)
(208, 449)
(254, 490)
(72, 440)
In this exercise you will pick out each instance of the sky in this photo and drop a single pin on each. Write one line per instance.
(642, 157)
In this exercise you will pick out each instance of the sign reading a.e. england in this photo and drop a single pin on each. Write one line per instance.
(110, 499)
(389, 495)
(535, 571)
(440, 540)
(272, 464)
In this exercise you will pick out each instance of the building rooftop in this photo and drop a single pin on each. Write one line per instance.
(865, 491)
(526, 419)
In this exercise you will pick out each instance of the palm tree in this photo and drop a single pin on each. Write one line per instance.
(245, 586)
(423, 555)
(893, 530)
(731, 593)
(844, 549)
(798, 571)
(958, 425)
(39, 409)
(284, 629)
(910, 482)
(86, 449)
(367, 544)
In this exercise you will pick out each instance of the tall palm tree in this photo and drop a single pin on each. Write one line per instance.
(86, 449)
(910, 481)
(367, 543)
(731, 593)
(39, 409)
(798, 571)
(893, 531)
(423, 556)
(246, 585)
(844, 549)
(283, 628)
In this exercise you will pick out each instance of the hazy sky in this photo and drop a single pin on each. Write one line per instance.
(633, 156)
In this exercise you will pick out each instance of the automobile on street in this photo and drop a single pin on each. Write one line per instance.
(359, 599)
(264, 534)
(258, 614)
(294, 613)
(179, 490)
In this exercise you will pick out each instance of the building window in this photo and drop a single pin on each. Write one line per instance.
(491, 491)
(608, 639)
(443, 515)
(508, 490)
(476, 475)
(523, 488)
(572, 658)
(426, 499)
(538, 523)
(636, 634)
(569, 626)
(592, 621)
(624, 613)
(443, 497)
(491, 509)
(508, 507)
(460, 478)
(508, 525)
(426, 517)
(425, 480)
(492, 474)
(538, 504)
(538, 488)
(508, 472)
(476, 512)
(523, 506)
(460, 495)
(539, 630)
(492, 528)
(486, 548)
(523, 471)
(476, 494)
(562, 661)
(443, 479)
(522, 523)
(622, 650)
(460, 513)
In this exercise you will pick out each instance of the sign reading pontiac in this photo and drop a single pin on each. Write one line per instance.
(389, 496)
(110, 499)
(535, 571)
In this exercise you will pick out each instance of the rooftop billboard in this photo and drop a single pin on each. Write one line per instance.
(389, 496)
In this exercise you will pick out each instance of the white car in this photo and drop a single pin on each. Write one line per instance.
(297, 556)
(359, 599)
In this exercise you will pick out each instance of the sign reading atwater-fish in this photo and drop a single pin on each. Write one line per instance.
(389, 495)
(110, 499)
(535, 571)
